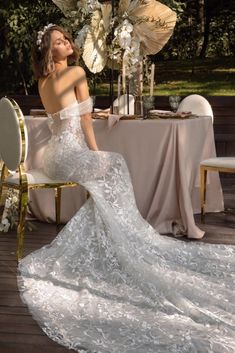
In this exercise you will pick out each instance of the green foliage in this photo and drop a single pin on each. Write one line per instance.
(210, 35)
(212, 77)
(222, 34)
(175, 5)
(19, 21)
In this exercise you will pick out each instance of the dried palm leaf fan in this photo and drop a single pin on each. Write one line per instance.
(156, 25)
(155, 32)
(95, 48)
(154, 29)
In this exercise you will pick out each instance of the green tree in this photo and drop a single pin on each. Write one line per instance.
(205, 28)
(19, 21)
(218, 36)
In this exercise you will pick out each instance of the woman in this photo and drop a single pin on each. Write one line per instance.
(109, 282)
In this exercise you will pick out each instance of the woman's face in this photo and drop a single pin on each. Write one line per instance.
(60, 46)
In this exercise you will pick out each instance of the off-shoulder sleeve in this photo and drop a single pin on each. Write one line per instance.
(74, 110)
(85, 106)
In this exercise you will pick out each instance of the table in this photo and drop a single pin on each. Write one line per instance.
(163, 158)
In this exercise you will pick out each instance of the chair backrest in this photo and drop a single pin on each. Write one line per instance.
(197, 105)
(123, 104)
(13, 134)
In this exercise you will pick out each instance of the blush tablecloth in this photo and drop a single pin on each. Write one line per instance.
(163, 158)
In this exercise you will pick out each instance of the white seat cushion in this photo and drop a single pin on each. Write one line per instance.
(223, 162)
(35, 176)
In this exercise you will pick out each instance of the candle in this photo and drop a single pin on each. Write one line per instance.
(124, 101)
(138, 78)
(124, 83)
(119, 92)
(123, 77)
(141, 78)
(141, 87)
(152, 79)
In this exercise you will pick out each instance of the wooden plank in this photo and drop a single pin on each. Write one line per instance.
(23, 311)
(4, 267)
(11, 298)
(10, 284)
(10, 265)
(18, 324)
(31, 348)
(5, 274)
(36, 339)
(27, 326)
(224, 120)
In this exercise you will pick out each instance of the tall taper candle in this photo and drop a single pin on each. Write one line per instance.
(123, 77)
(152, 79)
(119, 92)
(124, 84)
(141, 78)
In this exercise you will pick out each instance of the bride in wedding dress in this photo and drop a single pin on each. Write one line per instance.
(109, 283)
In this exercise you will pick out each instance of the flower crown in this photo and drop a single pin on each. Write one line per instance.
(41, 34)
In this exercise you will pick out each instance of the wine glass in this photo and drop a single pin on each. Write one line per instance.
(93, 102)
(148, 104)
(174, 102)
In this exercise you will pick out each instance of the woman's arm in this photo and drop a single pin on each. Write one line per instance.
(87, 127)
(82, 93)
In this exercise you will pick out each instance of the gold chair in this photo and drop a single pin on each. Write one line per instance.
(13, 150)
(217, 164)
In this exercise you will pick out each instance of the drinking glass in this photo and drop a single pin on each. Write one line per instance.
(174, 102)
(93, 102)
(148, 104)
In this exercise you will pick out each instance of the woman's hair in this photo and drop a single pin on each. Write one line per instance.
(42, 60)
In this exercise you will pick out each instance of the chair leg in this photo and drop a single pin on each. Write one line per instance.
(4, 173)
(1, 188)
(23, 201)
(57, 205)
(203, 177)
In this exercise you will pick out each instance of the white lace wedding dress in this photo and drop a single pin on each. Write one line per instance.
(109, 283)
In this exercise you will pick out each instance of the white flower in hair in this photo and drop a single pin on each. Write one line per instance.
(41, 34)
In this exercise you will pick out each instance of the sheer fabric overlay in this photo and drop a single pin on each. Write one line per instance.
(109, 283)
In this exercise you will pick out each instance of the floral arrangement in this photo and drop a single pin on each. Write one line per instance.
(10, 216)
(122, 34)
(11, 211)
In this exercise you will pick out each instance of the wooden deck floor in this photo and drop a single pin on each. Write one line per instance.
(19, 333)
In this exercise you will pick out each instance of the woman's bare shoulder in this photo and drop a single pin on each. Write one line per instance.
(78, 71)
(71, 74)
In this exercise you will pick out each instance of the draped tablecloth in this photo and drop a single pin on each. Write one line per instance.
(163, 158)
